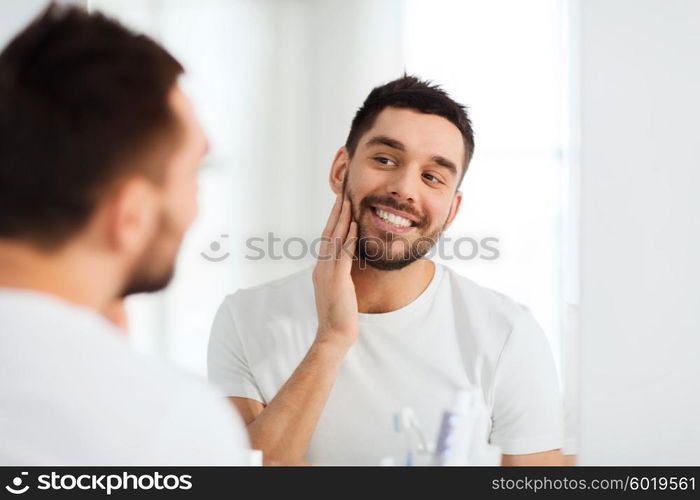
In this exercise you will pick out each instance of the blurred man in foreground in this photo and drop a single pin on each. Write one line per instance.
(99, 151)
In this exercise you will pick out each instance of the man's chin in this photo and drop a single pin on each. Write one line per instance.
(147, 284)
(391, 255)
(387, 265)
(384, 263)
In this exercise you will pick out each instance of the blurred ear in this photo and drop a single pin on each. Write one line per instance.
(133, 214)
(454, 209)
(339, 169)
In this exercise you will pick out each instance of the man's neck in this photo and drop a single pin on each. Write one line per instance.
(78, 277)
(384, 291)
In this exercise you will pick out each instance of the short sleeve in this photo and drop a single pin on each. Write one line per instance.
(227, 365)
(527, 403)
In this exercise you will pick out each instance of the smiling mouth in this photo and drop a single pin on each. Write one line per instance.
(391, 221)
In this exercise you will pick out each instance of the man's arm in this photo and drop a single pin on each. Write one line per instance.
(283, 428)
(553, 457)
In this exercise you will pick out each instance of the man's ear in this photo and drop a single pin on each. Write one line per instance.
(132, 215)
(339, 170)
(456, 202)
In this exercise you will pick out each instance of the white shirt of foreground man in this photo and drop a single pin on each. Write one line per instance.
(417, 357)
(73, 393)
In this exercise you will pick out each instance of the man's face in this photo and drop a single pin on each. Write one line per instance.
(402, 182)
(155, 267)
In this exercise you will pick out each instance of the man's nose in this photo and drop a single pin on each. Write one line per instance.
(402, 187)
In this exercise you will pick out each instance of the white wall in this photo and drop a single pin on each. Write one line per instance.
(14, 15)
(640, 179)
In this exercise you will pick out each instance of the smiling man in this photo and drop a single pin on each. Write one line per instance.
(319, 362)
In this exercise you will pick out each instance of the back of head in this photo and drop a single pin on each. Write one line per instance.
(83, 104)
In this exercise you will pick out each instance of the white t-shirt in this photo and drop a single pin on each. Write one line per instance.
(73, 393)
(417, 357)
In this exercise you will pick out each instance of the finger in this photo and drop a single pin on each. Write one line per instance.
(341, 229)
(350, 246)
(325, 249)
(333, 217)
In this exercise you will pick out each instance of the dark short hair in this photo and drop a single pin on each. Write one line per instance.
(412, 93)
(83, 103)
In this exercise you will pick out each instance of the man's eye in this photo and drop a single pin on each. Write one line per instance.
(385, 161)
(431, 178)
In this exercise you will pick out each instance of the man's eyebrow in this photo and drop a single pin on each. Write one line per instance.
(382, 140)
(444, 162)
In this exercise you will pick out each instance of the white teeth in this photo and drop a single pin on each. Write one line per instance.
(393, 219)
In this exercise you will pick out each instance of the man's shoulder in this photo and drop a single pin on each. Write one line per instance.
(486, 297)
(485, 304)
(89, 382)
(145, 390)
(59, 338)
